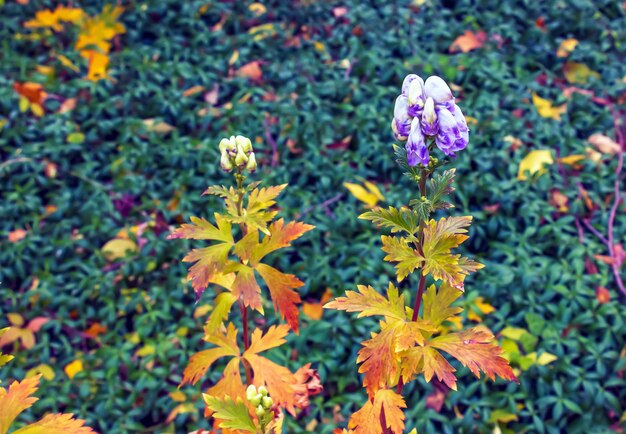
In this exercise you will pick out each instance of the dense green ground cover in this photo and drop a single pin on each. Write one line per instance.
(123, 174)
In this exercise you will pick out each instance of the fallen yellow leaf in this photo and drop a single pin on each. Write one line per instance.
(534, 163)
(578, 73)
(571, 160)
(546, 109)
(369, 197)
(117, 248)
(566, 47)
(44, 370)
(543, 359)
(74, 368)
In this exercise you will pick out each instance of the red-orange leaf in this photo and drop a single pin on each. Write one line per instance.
(281, 289)
(15, 400)
(379, 360)
(278, 379)
(475, 349)
(229, 385)
(246, 287)
(56, 424)
(367, 419)
(281, 235)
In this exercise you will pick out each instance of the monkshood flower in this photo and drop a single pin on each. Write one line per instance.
(425, 112)
(237, 152)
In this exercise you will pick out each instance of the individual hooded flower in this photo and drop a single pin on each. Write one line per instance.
(416, 148)
(425, 112)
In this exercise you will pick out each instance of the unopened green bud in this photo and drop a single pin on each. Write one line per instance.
(267, 402)
(251, 392)
(255, 400)
(260, 411)
(263, 390)
(244, 143)
(251, 166)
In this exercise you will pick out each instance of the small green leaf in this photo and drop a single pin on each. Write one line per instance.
(233, 414)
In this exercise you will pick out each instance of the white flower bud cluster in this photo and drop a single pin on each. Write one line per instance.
(237, 152)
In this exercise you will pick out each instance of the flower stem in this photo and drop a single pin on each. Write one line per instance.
(243, 308)
(422, 282)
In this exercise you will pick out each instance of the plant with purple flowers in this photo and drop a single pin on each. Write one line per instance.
(411, 340)
(426, 115)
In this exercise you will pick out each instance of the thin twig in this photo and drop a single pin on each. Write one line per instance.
(324, 204)
(271, 141)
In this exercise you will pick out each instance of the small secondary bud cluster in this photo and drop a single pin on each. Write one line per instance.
(262, 403)
(237, 152)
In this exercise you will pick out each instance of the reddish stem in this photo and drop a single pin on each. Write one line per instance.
(246, 339)
(422, 283)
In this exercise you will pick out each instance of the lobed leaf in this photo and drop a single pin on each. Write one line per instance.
(367, 419)
(398, 220)
(475, 349)
(380, 363)
(398, 250)
(370, 302)
(233, 414)
(437, 303)
(16, 399)
(281, 287)
(56, 424)
(201, 229)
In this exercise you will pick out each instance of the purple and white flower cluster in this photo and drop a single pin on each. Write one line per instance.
(425, 110)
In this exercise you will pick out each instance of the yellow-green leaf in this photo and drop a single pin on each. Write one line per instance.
(546, 109)
(117, 248)
(578, 73)
(534, 163)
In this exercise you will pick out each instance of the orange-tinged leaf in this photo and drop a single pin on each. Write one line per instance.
(281, 286)
(15, 400)
(566, 47)
(33, 92)
(280, 235)
(278, 379)
(468, 41)
(56, 424)
(226, 345)
(193, 90)
(230, 384)
(379, 361)
(369, 302)
(246, 287)
(209, 261)
(436, 365)
(367, 419)
(315, 310)
(475, 349)
(201, 229)
(603, 295)
(251, 70)
(273, 337)
(16, 235)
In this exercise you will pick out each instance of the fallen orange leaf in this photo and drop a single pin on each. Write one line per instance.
(468, 41)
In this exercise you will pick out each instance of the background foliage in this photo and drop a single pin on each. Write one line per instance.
(319, 101)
